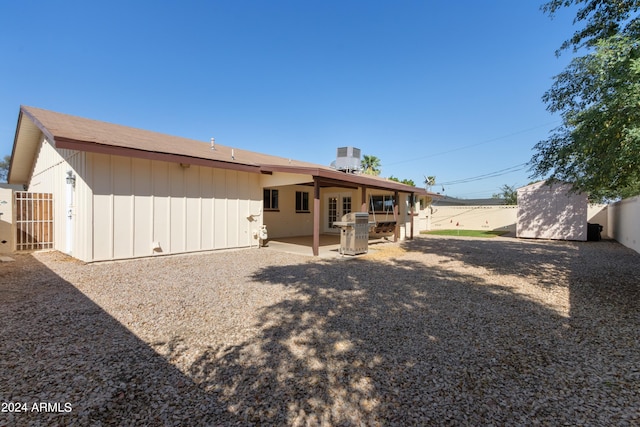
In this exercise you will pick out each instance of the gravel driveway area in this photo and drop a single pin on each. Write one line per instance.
(436, 331)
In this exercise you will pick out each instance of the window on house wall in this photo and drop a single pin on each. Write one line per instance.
(270, 199)
(302, 201)
(381, 204)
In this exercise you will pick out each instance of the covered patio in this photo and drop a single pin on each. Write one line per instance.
(330, 195)
(328, 245)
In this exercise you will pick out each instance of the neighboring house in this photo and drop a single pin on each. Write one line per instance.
(551, 212)
(120, 192)
(454, 201)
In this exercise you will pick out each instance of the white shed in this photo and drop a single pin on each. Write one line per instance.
(551, 212)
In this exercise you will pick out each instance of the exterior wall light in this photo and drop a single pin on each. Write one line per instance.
(71, 179)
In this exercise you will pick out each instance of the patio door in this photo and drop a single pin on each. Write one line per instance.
(336, 205)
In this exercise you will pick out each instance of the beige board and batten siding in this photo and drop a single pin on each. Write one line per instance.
(122, 205)
(50, 176)
(148, 207)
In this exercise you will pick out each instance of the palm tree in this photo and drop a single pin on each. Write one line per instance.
(370, 165)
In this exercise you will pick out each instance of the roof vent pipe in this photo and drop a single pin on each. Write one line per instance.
(213, 143)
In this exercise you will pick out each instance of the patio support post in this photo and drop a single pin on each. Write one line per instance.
(411, 202)
(396, 232)
(363, 197)
(316, 216)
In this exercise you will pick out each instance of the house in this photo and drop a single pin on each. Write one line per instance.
(551, 212)
(118, 192)
(454, 201)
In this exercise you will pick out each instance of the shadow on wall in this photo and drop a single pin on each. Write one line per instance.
(551, 212)
(61, 348)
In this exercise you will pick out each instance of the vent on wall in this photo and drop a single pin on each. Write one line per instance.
(348, 159)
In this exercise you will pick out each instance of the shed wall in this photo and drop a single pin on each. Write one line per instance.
(551, 212)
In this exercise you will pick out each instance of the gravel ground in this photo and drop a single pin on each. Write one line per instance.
(438, 331)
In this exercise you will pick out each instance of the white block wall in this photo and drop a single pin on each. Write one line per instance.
(624, 222)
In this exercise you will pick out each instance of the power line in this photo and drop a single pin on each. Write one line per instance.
(500, 172)
(453, 150)
(490, 191)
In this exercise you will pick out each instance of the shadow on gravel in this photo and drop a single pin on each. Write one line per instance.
(406, 341)
(400, 342)
(59, 348)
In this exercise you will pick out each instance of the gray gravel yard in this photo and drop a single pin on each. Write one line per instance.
(437, 331)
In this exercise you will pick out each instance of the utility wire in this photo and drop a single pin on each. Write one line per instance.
(487, 191)
(500, 172)
(453, 150)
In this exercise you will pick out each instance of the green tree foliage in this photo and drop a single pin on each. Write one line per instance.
(429, 182)
(402, 181)
(508, 193)
(4, 168)
(602, 19)
(371, 165)
(597, 147)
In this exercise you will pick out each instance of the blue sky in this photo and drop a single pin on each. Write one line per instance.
(451, 89)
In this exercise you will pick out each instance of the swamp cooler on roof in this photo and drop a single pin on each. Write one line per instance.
(348, 159)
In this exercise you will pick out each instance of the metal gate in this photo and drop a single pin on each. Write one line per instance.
(34, 220)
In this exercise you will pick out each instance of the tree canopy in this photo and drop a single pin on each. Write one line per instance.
(429, 182)
(403, 181)
(597, 147)
(508, 193)
(602, 19)
(4, 168)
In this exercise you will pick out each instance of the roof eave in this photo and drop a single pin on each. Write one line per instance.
(25, 147)
(339, 176)
(93, 147)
